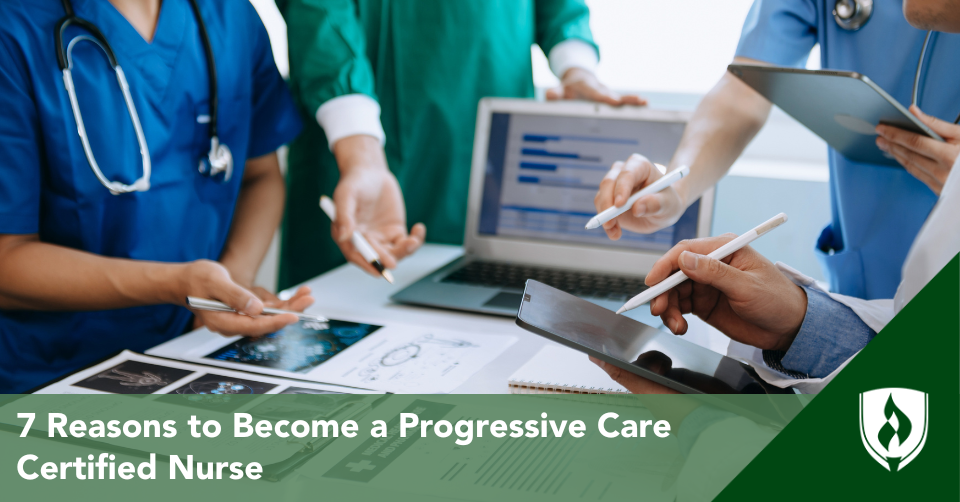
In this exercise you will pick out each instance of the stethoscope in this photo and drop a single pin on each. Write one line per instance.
(218, 160)
(851, 15)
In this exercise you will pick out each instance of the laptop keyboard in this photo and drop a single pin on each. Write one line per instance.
(514, 276)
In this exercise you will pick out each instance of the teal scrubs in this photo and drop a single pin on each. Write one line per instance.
(427, 63)
(877, 210)
(48, 188)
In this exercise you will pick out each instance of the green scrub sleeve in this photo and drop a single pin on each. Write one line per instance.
(327, 48)
(559, 20)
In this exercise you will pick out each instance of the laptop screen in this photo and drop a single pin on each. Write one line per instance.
(543, 171)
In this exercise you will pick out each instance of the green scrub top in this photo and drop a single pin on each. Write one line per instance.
(428, 63)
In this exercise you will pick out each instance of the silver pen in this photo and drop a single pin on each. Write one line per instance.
(215, 306)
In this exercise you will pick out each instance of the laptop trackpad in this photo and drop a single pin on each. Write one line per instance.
(505, 300)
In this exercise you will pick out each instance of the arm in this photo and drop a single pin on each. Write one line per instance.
(563, 32)
(724, 123)
(41, 276)
(255, 219)
(780, 32)
(334, 81)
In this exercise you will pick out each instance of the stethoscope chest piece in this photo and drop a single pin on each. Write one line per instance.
(218, 161)
(851, 15)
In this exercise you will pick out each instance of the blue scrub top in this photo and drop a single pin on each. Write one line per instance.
(877, 210)
(48, 188)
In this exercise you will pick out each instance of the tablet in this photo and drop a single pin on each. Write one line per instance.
(634, 346)
(841, 107)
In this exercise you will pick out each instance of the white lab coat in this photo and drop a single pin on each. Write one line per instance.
(936, 244)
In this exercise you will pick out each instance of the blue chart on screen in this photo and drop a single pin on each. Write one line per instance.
(299, 347)
(544, 171)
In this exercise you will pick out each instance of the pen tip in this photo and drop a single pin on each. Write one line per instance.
(592, 224)
(622, 310)
(387, 275)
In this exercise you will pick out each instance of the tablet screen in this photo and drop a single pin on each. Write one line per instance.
(602, 333)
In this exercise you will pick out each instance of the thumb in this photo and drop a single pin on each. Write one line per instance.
(940, 127)
(236, 297)
(712, 272)
(346, 217)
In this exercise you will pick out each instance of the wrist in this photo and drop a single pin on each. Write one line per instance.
(169, 283)
(795, 320)
(359, 152)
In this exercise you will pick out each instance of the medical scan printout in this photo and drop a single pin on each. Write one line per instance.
(397, 358)
(159, 389)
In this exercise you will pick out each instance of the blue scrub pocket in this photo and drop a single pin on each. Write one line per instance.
(844, 271)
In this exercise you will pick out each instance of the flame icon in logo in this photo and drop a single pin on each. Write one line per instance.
(893, 425)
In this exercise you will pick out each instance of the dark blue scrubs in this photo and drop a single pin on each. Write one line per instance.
(48, 188)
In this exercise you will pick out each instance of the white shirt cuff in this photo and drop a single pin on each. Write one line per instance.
(350, 115)
(573, 53)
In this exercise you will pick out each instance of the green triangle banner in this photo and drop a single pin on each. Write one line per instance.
(887, 427)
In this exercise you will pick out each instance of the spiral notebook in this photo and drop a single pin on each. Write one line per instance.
(559, 370)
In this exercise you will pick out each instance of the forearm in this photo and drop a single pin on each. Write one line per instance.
(724, 123)
(42, 276)
(256, 218)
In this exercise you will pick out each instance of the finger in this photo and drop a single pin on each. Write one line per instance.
(233, 324)
(667, 264)
(624, 187)
(555, 94)
(920, 144)
(234, 296)
(614, 231)
(672, 318)
(269, 299)
(300, 300)
(384, 252)
(604, 197)
(633, 100)
(649, 205)
(712, 272)
(910, 163)
(409, 244)
(941, 127)
(634, 383)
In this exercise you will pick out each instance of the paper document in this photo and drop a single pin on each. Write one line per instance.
(396, 358)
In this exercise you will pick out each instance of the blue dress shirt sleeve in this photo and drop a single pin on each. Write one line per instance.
(19, 144)
(780, 32)
(830, 334)
(275, 119)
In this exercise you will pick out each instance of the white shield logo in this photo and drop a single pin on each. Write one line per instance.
(893, 425)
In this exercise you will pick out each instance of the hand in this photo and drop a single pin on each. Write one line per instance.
(368, 199)
(649, 214)
(925, 158)
(634, 383)
(578, 83)
(744, 296)
(209, 279)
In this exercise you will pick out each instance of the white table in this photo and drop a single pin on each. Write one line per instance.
(349, 292)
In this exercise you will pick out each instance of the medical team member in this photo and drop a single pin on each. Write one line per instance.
(105, 231)
(390, 89)
(876, 210)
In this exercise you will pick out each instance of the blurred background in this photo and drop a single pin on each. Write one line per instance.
(673, 52)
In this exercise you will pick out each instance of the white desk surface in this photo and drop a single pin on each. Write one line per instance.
(349, 292)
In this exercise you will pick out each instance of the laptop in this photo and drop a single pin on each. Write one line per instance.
(536, 169)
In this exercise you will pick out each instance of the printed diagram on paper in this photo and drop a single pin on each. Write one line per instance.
(412, 362)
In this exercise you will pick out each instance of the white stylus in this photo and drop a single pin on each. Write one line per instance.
(363, 247)
(721, 253)
(661, 184)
